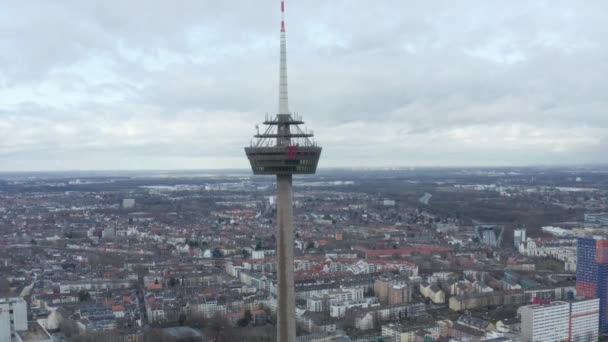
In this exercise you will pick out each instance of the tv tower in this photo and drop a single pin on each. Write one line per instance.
(284, 149)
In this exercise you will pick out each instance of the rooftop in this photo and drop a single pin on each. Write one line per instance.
(34, 332)
(182, 332)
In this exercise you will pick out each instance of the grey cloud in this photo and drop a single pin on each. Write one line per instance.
(433, 83)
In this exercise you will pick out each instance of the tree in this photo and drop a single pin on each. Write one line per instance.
(216, 326)
(172, 282)
(182, 319)
(246, 319)
(84, 296)
(245, 253)
(193, 243)
(348, 322)
(69, 327)
(140, 270)
(5, 287)
(217, 253)
(155, 335)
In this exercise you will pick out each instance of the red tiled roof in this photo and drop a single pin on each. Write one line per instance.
(421, 249)
(116, 308)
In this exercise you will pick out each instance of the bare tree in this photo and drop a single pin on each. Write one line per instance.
(5, 288)
(69, 328)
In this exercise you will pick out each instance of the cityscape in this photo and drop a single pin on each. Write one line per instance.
(281, 237)
(379, 255)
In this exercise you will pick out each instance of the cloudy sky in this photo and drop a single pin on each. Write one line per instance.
(158, 84)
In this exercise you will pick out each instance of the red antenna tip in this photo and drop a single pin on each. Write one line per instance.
(282, 6)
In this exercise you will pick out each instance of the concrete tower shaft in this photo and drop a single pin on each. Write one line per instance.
(286, 308)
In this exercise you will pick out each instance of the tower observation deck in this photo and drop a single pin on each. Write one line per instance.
(284, 149)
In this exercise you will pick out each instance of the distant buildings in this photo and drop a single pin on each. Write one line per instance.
(108, 233)
(389, 290)
(424, 199)
(486, 299)
(323, 301)
(557, 231)
(369, 318)
(400, 332)
(389, 203)
(418, 249)
(519, 237)
(598, 218)
(489, 234)
(128, 203)
(563, 250)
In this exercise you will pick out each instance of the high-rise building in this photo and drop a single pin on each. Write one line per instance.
(548, 322)
(13, 318)
(592, 274)
(574, 321)
(519, 236)
(284, 149)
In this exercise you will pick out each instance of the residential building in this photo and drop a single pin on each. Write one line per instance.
(433, 292)
(487, 299)
(548, 322)
(399, 333)
(584, 320)
(13, 318)
(573, 321)
(400, 293)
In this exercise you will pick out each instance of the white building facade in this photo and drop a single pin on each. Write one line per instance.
(13, 318)
(576, 321)
(584, 320)
(549, 322)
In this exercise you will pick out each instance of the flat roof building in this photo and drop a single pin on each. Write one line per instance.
(574, 321)
(13, 318)
(547, 322)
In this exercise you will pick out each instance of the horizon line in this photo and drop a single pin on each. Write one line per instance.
(339, 168)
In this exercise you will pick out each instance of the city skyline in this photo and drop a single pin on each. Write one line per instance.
(107, 87)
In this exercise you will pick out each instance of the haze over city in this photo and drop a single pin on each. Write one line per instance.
(179, 85)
